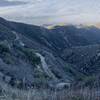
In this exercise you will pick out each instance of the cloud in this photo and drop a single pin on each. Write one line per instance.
(10, 3)
(52, 11)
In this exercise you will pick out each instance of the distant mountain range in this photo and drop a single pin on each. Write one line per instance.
(36, 56)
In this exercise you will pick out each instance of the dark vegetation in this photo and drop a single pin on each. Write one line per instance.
(72, 55)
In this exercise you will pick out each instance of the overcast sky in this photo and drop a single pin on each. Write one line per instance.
(51, 11)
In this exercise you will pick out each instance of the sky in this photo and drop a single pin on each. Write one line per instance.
(47, 12)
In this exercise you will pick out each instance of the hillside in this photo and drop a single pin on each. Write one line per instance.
(35, 56)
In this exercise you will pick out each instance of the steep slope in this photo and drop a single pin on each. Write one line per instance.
(33, 55)
(78, 36)
(86, 58)
(27, 58)
(57, 38)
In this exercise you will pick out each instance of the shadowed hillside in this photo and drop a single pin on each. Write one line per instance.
(34, 57)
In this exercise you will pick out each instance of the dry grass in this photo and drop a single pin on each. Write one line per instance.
(8, 93)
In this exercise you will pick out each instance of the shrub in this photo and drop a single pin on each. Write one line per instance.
(32, 57)
(4, 47)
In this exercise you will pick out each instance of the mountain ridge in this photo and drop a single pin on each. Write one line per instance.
(47, 56)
